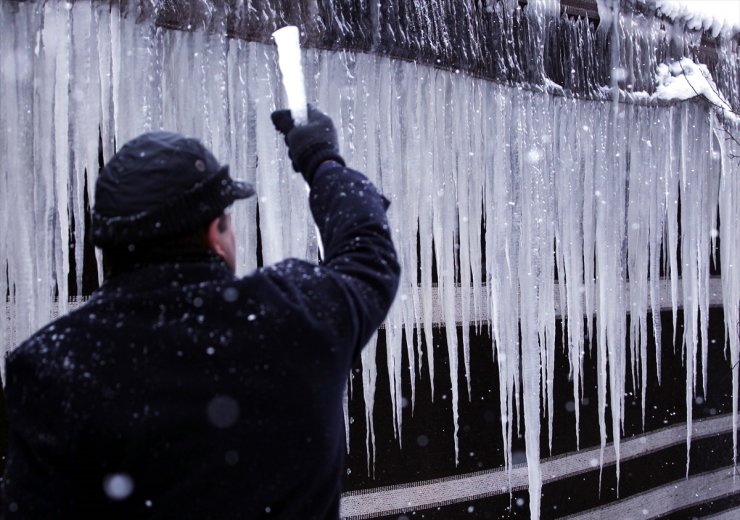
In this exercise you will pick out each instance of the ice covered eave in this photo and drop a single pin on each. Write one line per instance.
(605, 94)
(353, 30)
(710, 27)
(650, 9)
(215, 14)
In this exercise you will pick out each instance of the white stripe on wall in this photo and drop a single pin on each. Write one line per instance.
(730, 514)
(677, 495)
(433, 493)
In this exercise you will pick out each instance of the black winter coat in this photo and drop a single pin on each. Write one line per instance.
(181, 391)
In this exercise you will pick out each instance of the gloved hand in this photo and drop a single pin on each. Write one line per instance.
(310, 144)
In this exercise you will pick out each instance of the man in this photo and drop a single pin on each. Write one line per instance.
(179, 390)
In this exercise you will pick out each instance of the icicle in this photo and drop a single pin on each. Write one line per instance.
(271, 171)
(84, 127)
(708, 171)
(613, 283)
(589, 163)
(476, 179)
(500, 207)
(569, 186)
(345, 412)
(24, 271)
(462, 175)
(443, 230)
(242, 152)
(640, 195)
(689, 275)
(658, 214)
(402, 186)
(671, 191)
(529, 272)
(383, 127)
(56, 44)
(369, 375)
(699, 191)
(394, 349)
(426, 200)
(609, 194)
(729, 208)
(544, 166)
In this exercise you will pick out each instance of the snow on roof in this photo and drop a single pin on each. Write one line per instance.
(719, 17)
(684, 79)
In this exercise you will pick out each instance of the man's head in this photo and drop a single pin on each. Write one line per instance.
(164, 191)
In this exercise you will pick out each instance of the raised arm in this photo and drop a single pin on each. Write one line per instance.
(360, 261)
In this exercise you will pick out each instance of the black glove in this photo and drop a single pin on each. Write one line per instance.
(310, 144)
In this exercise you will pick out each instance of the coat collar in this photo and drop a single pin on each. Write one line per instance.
(182, 268)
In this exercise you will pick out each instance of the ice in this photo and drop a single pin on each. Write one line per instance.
(425, 204)
(552, 181)
(641, 195)
(671, 193)
(729, 209)
(289, 60)
(394, 349)
(271, 174)
(568, 147)
(56, 40)
(345, 412)
(16, 82)
(715, 16)
(461, 131)
(391, 182)
(369, 376)
(404, 190)
(698, 199)
(608, 13)
(242, 149)
(444, 226)
(529, 271)
(477, 161)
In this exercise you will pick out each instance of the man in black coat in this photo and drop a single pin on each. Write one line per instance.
(180, 390)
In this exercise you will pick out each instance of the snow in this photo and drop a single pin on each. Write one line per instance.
(684, 79)
(719, 17)
(118, 486)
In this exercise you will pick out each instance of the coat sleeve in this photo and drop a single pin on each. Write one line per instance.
(350, 292)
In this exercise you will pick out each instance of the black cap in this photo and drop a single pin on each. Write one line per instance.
(160, 184)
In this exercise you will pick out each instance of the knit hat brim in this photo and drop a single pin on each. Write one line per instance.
(198, 206)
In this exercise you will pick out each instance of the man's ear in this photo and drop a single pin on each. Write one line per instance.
(215, 238)
(220, 239)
